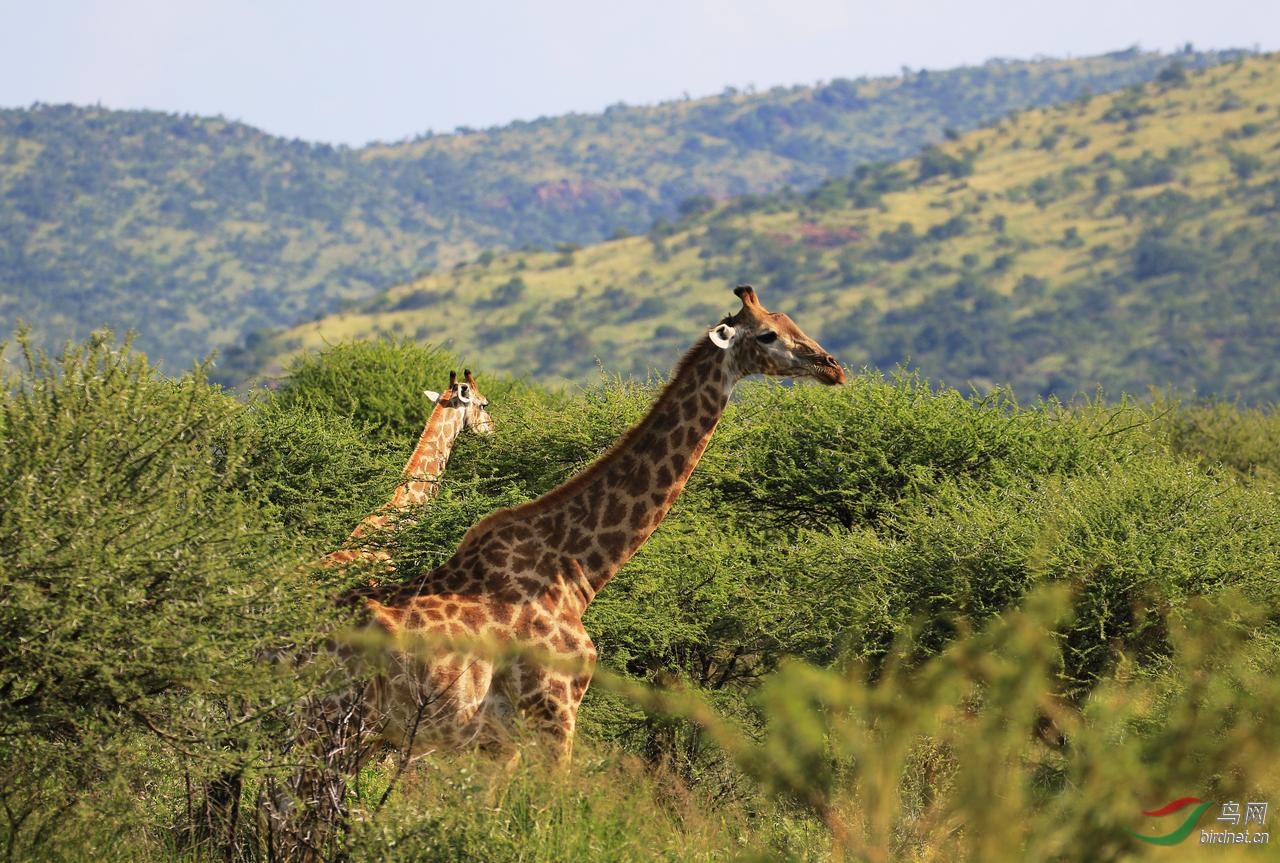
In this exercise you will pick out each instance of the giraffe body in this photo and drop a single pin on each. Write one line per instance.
(523, 576)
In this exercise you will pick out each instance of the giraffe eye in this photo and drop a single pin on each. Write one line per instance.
(766, 338)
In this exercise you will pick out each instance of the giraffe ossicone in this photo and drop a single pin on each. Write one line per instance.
(523, 576)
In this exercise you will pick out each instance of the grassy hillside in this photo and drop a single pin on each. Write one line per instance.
(1124, 241)
(198, 232)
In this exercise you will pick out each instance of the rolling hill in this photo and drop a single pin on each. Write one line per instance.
(1121, 241)
(199, 232)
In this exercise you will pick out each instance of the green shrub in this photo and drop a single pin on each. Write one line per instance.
(971, 756)
(1220, 435)
(319, 472)
(848, 456)
(377, 385)
(1135, 542)
(140, 582)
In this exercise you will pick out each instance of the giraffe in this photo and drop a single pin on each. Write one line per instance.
(334, 722)
(460, 406)
(523, 576)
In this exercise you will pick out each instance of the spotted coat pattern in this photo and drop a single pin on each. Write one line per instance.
(523, 576)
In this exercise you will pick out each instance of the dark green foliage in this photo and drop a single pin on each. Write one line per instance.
(1133, 542)
(898, 244)
(378, 386)
(1159, 252)
(1127, 107)
(953, 227)
(127, 576)
(935, 162)
(1148, 170)
(1173, 75)
(695, 206)
(143, 580)
(319, 471)
(848, 458)
(1243, 165)
(1219, 435)
(513, 289)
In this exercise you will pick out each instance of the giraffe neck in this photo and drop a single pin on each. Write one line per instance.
(422, 473)
(426, 465)
(604, 515)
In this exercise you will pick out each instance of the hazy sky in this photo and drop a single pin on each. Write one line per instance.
(388, 69)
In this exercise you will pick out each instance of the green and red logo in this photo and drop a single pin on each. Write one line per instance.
(1187, 826)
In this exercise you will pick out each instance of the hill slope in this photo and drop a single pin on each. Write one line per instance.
(199, 231)
(1119, 241)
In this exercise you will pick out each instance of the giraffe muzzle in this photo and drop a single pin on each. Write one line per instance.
(828, 370)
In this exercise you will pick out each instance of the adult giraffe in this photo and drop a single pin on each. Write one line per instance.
(460, 407)
(525, 575)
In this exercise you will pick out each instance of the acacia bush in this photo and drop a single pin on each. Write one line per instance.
(377, 385)
(1135, 544)
(850, 456)
(141, 579)
(1220, 435)
(318, 472)
(859, 619)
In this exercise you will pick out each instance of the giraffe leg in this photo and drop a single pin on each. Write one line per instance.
(549, 704)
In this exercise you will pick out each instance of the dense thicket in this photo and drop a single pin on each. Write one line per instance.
(143, 570)
(875, 609)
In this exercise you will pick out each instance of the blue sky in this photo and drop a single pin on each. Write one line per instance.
(388, 69)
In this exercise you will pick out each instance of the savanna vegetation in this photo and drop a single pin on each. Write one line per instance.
(886, 621)
(1121, 241)
(203, 232)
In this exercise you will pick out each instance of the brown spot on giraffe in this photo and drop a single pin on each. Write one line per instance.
(657, 449)
(473, 617)
(628, 492)
(615, 510)
(639, 481)
(613, 542)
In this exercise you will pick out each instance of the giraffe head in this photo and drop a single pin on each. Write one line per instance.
(466, 397)
(759, 341)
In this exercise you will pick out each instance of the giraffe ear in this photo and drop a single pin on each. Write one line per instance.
(722, 336)
(432, 394)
